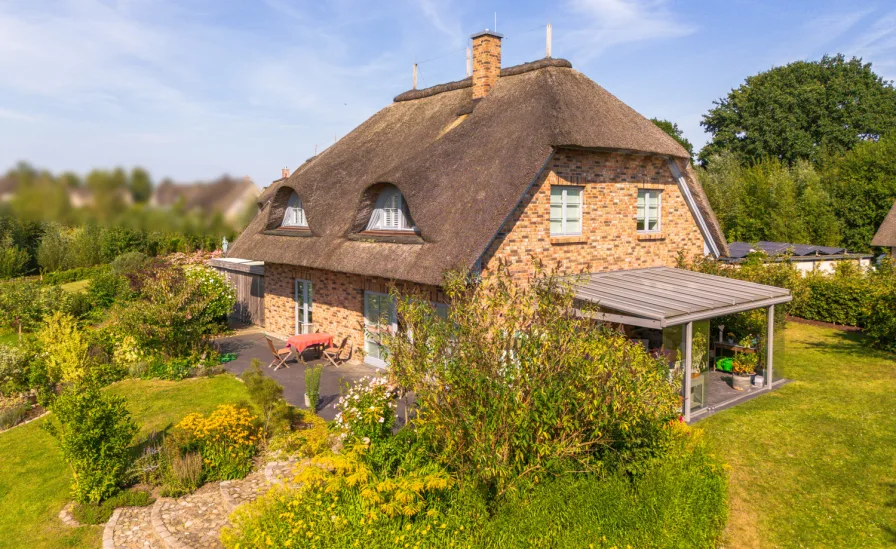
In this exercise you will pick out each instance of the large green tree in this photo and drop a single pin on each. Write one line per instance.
(803, 110)
(863, 185)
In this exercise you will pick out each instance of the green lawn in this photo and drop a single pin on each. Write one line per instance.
(76, 286)
(814, 463)
(9, 338)
(34, 481)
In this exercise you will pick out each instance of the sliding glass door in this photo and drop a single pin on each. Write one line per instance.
(304, 321)
(379, 319)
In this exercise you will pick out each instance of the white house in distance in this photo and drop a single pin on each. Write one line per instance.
(805, 257)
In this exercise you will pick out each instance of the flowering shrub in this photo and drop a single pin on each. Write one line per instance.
(199, 257)
(304, 442)
(367, 410)
(218, 292)
(338, 501)
(227, 440)
(13, 370)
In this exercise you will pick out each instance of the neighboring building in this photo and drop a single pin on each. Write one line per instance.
(886, 234)
(230, 197)
(805, 257)
(531, 162)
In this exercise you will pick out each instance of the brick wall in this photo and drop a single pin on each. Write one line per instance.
(337, 300)
(610, 239)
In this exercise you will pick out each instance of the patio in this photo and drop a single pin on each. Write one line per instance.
(249, 343)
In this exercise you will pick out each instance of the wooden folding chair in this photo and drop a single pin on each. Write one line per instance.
(334, 354)
(280, 355)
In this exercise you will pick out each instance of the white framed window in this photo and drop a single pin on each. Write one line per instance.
(649, 210)
(294, 216)
(303, 299)
(566, 210)
(379, 318)
(390, 213)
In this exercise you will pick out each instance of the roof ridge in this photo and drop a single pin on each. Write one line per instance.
(467, 82)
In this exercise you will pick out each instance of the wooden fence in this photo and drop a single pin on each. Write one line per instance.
(247, 278)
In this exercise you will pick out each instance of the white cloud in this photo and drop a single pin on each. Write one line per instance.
(449, 25)
(608, 23)
(10, 114)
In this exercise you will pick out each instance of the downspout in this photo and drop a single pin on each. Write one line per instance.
(692, 205)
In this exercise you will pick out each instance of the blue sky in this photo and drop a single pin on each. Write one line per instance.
(192, 89)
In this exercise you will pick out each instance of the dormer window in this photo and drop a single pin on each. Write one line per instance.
(390, 213)
(294, 216)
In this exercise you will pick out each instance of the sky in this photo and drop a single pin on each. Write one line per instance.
(194, 89)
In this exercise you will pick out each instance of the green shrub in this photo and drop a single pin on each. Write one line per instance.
(78, 305)
(175, 309)
(55, 247)
(312, 385)
(99, 513)
(267, 396)
(94, 430)
(840, 299)
(66, 347)
(514, 384)
(71, 275)
(880, 324)
(172, 369)
(13, 261)
(27, 301)
(104, 287)
(13, 370)
(129, 263)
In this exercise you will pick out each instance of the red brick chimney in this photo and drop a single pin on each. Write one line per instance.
(486, 61)
(284, 172)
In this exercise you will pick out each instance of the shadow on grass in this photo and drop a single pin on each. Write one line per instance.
(847, 343)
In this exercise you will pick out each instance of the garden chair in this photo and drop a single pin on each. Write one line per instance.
(280, 355)
(334, 354)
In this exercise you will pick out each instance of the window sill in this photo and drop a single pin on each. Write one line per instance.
(391, 237)
(285, 231)
(658, 235)
(568, 239)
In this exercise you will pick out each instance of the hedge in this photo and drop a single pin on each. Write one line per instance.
(72, 275)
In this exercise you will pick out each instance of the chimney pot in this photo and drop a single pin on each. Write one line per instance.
(486, 61)
(284, 172)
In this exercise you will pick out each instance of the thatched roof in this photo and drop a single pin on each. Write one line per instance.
(886, 234)
(460, 180)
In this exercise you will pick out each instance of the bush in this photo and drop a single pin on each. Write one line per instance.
(129, 263)
(27, 301)
(227, 440)
(71, 275)
(13, 370)
(514, 384)
(94, 430)
(367, 411)
(173, 369)
(65, 349)
(13, 261)
(99, 513)
(104, 287)
(880, 323)
(182, 472)
(310, 438)
(175, 310)
(54, 249)
(267, 395)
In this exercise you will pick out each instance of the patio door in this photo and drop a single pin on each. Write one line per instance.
(304, 322)
(379, 319)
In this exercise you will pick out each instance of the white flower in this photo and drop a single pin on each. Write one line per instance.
(382, 419)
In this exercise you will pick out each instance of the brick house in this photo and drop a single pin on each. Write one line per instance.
(511, 165)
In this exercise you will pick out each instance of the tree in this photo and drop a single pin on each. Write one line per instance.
(803, 110)
(769, 200)
(675, 132)
(55, 246)
(140, 185)
(863, 185)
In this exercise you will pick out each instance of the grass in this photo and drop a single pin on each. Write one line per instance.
(99, 513)
(9, 338)
(35, 481)
(76, 286)
(813, 464)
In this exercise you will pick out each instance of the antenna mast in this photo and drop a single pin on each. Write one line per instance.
(415, 76)
(469, 62)
(549, 41)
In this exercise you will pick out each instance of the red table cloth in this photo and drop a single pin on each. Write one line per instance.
(303, 341)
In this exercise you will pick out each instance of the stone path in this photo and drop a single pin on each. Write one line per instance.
(193, 521)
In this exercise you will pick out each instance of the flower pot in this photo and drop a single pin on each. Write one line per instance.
(741, 383)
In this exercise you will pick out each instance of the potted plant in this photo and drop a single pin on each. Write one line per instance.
(312, 386)
(743, 368)
(699, 350)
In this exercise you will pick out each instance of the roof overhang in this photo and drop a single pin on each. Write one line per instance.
(658, 297)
